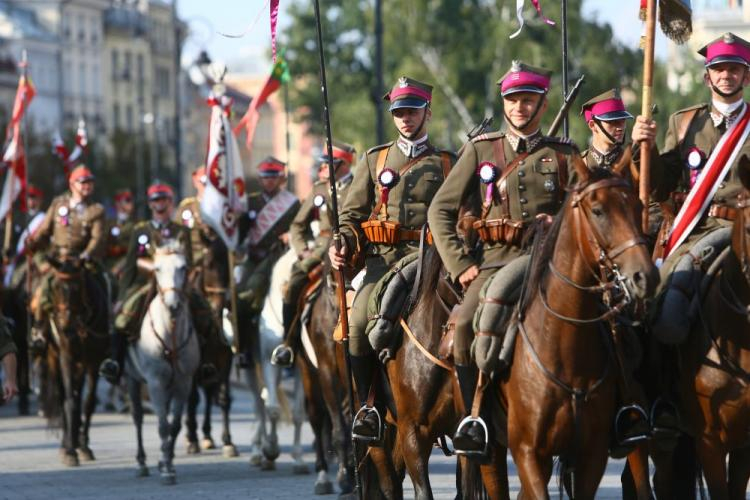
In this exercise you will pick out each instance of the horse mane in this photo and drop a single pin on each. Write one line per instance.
(432, 267)
(544, 240)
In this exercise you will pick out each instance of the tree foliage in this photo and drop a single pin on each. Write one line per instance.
(469, 40)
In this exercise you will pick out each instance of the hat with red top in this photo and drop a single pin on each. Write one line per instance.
(123, 195)
(605, 107)
(342, 152)
(34, 192)
(728, 48)
(81, 174)
(271, 167)
(524, 78)
(409, 93)
(159, 190)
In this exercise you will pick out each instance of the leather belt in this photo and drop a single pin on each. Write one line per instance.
(722, 212)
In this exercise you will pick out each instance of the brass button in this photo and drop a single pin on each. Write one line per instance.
(410, 199)
(521, 173)
(521, 162)
(521, 187)
(523, 200)
(524, 214)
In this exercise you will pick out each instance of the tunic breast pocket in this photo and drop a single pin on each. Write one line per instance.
(546, 185)
(422, 186)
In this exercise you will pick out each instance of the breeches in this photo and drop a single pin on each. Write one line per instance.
(359, 345)
(464, 323)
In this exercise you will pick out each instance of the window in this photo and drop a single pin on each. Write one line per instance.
(116, 116)
(162, 82)
(81, 28)
(128, 66)
(129, 117)
(82, 79)
(94, 32)
(115, 64)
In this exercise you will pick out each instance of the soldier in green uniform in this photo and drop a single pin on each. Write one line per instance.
(136, 285)
(188, 214)
(119, 230)
(382, 217)
(73, 227)
(317, 207)
(606, 117)
(16, 262)
(265, 236)
(503, 178)
(690, 147)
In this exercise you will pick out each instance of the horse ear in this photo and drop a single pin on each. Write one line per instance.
(625, 161)
(582, 171)
(744, 171)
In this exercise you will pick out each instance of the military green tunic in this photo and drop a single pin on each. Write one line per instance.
(672, 174)
(188, 214)
(72, 230)
(118, 239)
(536, 186)
(408, 202)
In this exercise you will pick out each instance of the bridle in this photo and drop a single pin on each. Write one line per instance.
(170, 352)
(610, 281)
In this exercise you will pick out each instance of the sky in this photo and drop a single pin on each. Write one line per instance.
(248, 54)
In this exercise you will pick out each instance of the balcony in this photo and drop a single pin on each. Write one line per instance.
(127, 21)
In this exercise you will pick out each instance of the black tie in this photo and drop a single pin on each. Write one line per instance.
(521, 146)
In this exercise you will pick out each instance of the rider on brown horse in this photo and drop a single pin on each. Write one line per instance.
(135, 286)
(74, 228)
(382, 217)
(317, 207)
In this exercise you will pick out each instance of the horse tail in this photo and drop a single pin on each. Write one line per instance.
(471, 484)
(51, 392)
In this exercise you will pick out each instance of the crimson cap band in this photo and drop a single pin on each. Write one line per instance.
(81, 174)
(727, 48)
(409, 93)
(605, 107)
(124, 195)
(524, 78)
(271, 167)
(159, 190)
(34, 192)
(341, 152)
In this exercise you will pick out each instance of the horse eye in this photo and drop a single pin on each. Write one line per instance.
(597, 211)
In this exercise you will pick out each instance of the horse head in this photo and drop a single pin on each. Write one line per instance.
(607, 225)
(67, 292)
(170, 272)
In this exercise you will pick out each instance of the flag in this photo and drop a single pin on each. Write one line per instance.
(279, 75)
(14, 156)
(224, 196)
(519, 15)
(274, 9)
(69, 158)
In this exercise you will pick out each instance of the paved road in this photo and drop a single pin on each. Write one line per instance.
(30, 466)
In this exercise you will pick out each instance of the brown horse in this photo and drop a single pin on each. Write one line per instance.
(714, 376)
(212, 279)
(560, 393)
(80, 341)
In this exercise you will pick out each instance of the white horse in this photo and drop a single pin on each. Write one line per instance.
(165, 357)
(264, 379)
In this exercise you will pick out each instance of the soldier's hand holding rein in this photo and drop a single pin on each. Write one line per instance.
(644, 129)
(468, 276)
(338, 259)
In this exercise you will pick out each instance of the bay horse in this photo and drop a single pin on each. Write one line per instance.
(79, 327)
(165, 357)
(211, 277)
(560, 393)
(714, 374)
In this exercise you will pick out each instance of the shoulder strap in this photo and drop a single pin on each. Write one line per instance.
(379, 166)
(685, 120)
(446, 161)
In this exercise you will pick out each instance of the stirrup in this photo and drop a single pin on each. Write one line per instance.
(664, 432)
(275, 353)
(633, 439)
(360, 437)
(473, 453)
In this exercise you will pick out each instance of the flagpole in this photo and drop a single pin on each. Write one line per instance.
(564, 22)
(339, 274)
(646, 109)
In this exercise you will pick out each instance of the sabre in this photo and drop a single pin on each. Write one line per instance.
(339, 274)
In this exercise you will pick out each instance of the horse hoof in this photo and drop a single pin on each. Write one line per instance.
(255, 459)
(168, 478)
(208, 444)
(71, 460)
(267, 465)
(271, 452)
(229, 451)
(323, 488)
(86, 454)
(141, 471)
(300, 468)
(193, 448)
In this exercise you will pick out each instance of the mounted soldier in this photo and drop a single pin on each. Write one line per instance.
(382, 219)
(136, 286)
(119, 230)
(606, 117)
(317, 207)
(74, 230)
(265, 227)
(16, 266)
(188, 214)
(697, 180)
(505, 181)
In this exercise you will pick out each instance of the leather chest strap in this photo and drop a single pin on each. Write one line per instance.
(380, 165)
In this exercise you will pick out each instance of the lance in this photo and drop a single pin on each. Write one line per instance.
(564, 21)
(646, 109)
(339, 274)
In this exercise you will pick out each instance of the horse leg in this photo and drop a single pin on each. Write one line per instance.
(589, 469)
(298, 419)
(256, 456)
(229, 450)
(271, 451)
(713, 462)
(739, 472)
(387, 482)
(635, 476)
(416, 454)
(88, 410)
(160, 400)
(178, 406)
(71, 421)
(191, 422)
(340, 427)
(208, 441)
(534, 471)
(495, 474)
(136, 409)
